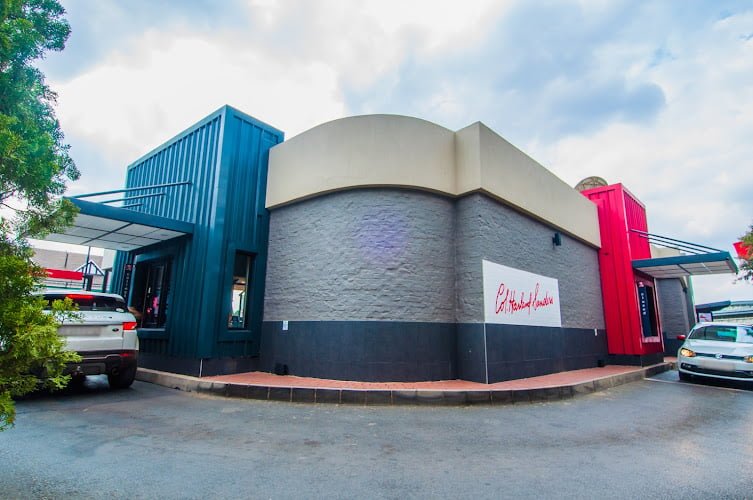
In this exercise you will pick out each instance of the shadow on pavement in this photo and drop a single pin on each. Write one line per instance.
(92, 385)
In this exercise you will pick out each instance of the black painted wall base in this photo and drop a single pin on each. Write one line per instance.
(382, 351)
(374, 351)
(636, 360)
(195, 367)
(671, 346)
(514, 352)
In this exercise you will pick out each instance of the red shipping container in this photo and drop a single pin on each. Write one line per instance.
(629, 297)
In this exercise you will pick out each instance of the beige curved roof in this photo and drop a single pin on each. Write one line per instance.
(401, 151)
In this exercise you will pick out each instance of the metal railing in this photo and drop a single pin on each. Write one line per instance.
(667, 242)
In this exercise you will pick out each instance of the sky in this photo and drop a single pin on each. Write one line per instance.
(655, 95)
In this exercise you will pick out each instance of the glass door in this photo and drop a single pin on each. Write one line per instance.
(647, 309)
(155, 296)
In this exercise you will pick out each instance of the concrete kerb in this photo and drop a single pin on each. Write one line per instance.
(183, 382)
(419, 397)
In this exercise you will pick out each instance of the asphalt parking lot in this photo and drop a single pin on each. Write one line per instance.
(657, 438)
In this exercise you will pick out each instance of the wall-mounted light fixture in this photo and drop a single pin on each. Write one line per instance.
(557, 239)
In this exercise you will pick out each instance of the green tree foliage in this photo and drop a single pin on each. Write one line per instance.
(746, 265)
(34, 168)
(32, 354)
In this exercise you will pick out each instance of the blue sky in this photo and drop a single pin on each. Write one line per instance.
(656, 95)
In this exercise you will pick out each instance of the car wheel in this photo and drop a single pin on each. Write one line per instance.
(686, 377)
(123, 379)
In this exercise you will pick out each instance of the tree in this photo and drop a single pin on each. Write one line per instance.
(746, 265)
(34, 168)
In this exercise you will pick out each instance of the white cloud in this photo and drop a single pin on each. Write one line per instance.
(720, 287)
(691, 166)
(288, 71)
(127, 109)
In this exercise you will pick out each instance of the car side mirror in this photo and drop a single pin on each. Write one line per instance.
(681, 337)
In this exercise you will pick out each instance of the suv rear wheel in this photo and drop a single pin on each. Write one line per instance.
(122, 379)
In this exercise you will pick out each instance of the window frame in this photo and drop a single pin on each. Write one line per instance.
(138, 296)
(247, 293)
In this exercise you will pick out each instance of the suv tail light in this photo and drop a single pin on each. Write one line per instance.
(129, 325)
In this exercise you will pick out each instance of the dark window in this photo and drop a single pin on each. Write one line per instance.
(239, 291)
(647, 306)
(89, 302)
(154, 308)
(721, 333)
(724, 333)
(698, 333)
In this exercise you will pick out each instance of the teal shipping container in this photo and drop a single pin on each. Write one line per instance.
(200, 295)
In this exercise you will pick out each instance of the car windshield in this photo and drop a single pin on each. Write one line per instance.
(726, 333)
(88, 302)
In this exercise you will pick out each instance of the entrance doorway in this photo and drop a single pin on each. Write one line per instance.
(647, 310)
(155, 292)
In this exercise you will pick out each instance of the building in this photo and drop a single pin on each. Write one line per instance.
(380, 228)
(377, 248)
(727, 311)
(675, 301)
(67, 269)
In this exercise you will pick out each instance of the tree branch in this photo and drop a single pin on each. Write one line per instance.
(17, 210)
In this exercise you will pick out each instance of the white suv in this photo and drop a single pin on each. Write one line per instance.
(103, 333)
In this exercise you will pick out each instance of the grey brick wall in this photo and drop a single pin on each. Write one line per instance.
(401, 255)
(487, 229)
(364, 254)
(673, 307)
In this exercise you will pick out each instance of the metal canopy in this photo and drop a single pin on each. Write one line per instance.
(687, 265)
(116, 228)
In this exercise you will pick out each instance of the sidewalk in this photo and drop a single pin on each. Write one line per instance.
(267, 386)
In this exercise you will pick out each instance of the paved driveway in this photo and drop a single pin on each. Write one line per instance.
(652, 439)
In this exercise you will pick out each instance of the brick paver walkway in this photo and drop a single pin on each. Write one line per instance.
(543, 381)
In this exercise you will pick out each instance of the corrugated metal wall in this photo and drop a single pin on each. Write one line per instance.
(635, 216)
(620, 302)
(192, 157)
(224, 158)
(246, 220)
(619, 211)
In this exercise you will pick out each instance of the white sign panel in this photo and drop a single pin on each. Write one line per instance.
(515, 297)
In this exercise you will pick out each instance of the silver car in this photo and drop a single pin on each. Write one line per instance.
(103, 333)
(717, 350)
